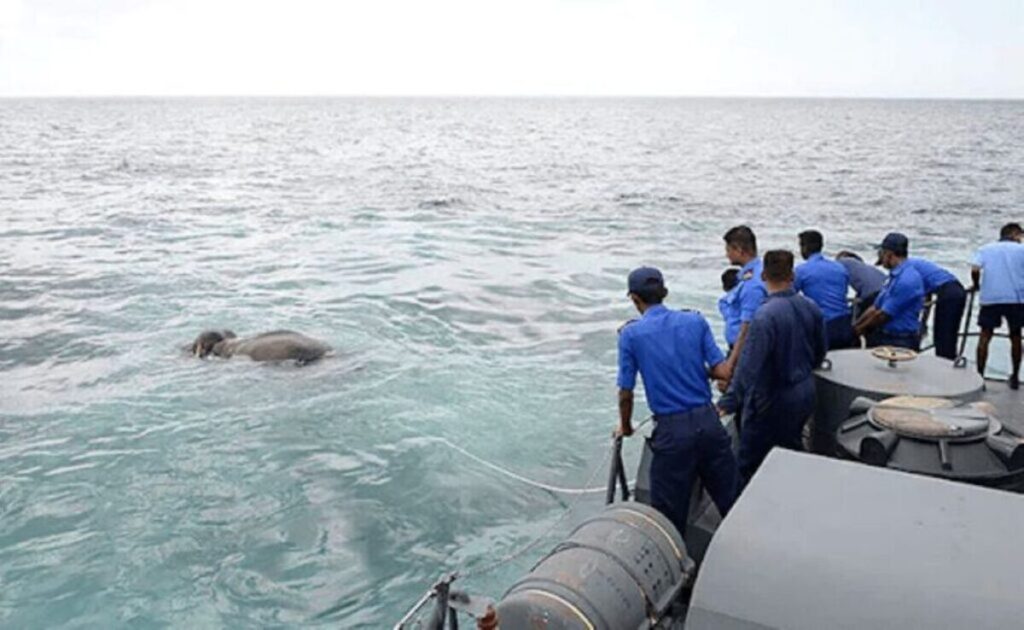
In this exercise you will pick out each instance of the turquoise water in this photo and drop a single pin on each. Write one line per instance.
(465, 258)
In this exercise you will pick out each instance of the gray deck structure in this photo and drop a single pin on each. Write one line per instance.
(1008, 402)
(822, 543)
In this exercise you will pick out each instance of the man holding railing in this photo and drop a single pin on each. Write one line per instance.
(998, 272)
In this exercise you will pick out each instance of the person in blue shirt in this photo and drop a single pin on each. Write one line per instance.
(998, 272)
(774, 381)
(950, 302)
(730, 279)
(866, 281)
(895, 317)
(675, 354)
(825, 282)
(741, 250)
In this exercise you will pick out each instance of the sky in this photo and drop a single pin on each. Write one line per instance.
(855, 48)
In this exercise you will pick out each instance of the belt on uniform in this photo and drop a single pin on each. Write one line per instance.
(662, 417)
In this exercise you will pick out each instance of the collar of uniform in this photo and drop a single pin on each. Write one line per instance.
(895, 271)
(654, 309)
(815, 256)
(783, 293)
(750, 265)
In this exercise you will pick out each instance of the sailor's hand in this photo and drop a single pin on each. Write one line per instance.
(722, 385)
(722, 412)
(621, 431)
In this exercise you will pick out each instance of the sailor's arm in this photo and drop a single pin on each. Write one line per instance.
(871, 319)
(625, 413)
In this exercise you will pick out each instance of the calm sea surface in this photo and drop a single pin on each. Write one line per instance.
(467, 260)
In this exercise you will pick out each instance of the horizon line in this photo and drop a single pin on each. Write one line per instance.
(514, 96)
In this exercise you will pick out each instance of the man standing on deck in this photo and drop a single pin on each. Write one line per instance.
(741, 250)
(825, 282)
(774, 380)
(998, 271)
(675, 353)
(950, 301)
(895, 317)
(867, 281)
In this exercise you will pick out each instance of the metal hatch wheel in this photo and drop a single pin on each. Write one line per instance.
(880, 373)
(936, 437)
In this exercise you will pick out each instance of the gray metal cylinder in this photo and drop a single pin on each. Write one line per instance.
(616, 571)
(852, 373)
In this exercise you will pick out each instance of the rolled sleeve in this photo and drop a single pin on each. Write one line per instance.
(627, 363)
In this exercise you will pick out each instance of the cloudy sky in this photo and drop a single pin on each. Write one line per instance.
(889, 48)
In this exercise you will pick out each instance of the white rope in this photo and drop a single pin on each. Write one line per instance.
(540, 485)
(518, 553)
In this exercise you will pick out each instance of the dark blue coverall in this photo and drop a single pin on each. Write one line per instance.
(774, 380)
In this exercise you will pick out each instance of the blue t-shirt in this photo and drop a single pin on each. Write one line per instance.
(932, 275)
(1002, 272)
(725, 307)
(865, 279)
(672, 351)
(824, 282)
(902, 299)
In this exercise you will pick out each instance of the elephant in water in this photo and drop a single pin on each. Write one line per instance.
(278, 345)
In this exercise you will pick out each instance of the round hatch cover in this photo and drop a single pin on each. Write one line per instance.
(930, 423)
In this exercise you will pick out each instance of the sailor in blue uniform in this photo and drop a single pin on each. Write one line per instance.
(730, 282)
(675, 353)
(866, 281)
(950, 302)
(741, 250)
(825, 282)
(774, 380)
(895, 317)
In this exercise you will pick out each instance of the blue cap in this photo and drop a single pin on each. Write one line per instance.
(894, 242)
(643, 278)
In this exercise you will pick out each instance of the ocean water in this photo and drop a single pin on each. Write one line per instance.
(465, 258)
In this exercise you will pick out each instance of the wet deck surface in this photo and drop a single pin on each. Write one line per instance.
(1010, 404)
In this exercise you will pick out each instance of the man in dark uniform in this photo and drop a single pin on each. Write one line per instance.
(895, 317)
(675, 353)
(825, 282)
(867, 281)
(950, 302)
(774, 380)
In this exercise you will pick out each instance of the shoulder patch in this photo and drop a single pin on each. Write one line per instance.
(689, 310)
(748, 275)
(623, 326)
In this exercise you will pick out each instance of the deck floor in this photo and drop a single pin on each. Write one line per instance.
(1010, 404)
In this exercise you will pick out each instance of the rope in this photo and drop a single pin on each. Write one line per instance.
(540, 485)
(544, 534)
(579, 492)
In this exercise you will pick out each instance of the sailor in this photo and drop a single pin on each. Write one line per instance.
(950, 301)
(730, 280)
(675, 352)
(866, 281)
(895, 317)
(741, 250)
(998, 272)
(825, 282)
(774, 380)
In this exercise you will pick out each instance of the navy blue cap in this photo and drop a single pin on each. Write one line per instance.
(643, 278)
(894, 242)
